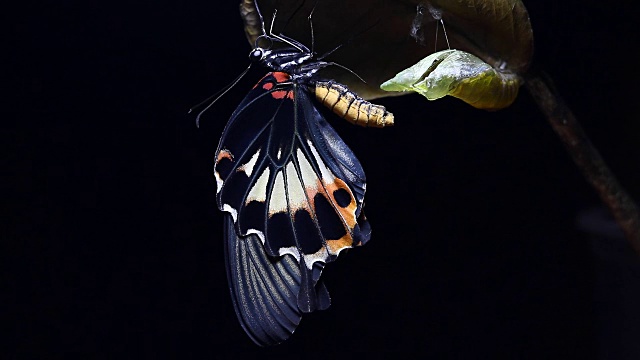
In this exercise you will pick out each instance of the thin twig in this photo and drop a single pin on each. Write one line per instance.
(586, 156)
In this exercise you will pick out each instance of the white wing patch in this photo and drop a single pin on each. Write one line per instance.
(259, 190)
(259, 233)
(297, 196)
(320, 255)
(230, 210)
(248, 167)
(291, 250)
(309, 177)
(278, 201)
(327, 176)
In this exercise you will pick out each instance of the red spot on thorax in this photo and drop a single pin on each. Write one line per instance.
(280, 77)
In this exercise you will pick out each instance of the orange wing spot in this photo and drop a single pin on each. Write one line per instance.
(224, 154)
(348, 213)
(281, 76)
(336, 245)
(346, 241)
(267, 86)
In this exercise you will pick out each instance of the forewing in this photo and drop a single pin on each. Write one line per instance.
(289, 183)
(286, 176)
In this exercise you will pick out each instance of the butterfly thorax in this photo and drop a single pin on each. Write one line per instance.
(300, 65)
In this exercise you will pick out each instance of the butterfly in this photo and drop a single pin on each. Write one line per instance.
(291, 189)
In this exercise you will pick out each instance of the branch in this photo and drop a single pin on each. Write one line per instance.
(586, 156)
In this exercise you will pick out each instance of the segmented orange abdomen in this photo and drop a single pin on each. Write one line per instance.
(346, 104)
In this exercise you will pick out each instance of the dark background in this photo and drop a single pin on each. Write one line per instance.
(114, 241)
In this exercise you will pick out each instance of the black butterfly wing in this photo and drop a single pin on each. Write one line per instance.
(294, 193)
(263, 291)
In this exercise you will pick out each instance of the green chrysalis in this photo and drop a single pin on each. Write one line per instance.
(459, 74)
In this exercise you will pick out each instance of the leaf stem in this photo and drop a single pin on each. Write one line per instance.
(585, 155)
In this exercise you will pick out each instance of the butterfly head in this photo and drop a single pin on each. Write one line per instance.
(258, 54)
(261, 49)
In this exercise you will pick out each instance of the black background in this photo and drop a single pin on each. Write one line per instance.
(114, 241)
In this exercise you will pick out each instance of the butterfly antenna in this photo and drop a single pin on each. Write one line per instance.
(292, 15)
(217, 96)
(255, 3)
(313, 39)
(273, 20)
(279, 37)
